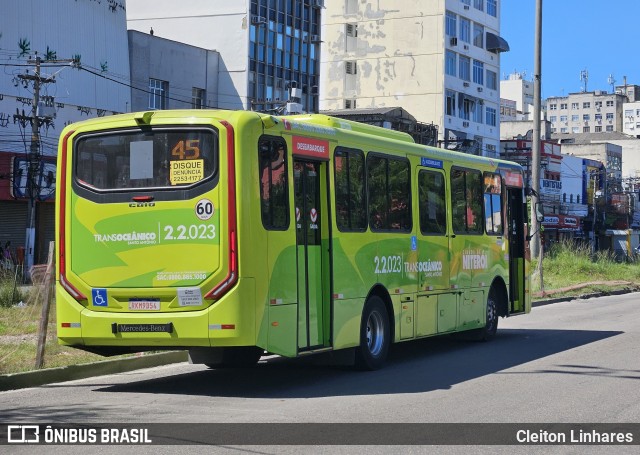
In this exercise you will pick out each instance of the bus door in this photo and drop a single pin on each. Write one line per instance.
(515, 221)
(311, 218)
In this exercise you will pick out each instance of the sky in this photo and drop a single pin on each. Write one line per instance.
(600, 37)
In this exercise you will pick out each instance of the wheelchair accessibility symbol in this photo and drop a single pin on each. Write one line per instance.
(99, 296)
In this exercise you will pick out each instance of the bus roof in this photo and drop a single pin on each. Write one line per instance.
(324, 124)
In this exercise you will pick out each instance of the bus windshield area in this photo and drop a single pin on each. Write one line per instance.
(156, 158)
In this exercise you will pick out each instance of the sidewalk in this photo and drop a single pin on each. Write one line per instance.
(73, 372)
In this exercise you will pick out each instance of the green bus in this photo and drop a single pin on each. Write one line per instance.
(233, 234)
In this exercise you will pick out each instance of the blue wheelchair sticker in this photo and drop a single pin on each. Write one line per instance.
(99, 296)
(414, 243)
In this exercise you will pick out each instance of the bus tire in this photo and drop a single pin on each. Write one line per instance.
(375, 335)
(238, 357)
(488, 332)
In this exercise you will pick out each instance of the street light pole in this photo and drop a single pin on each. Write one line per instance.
(535, 150)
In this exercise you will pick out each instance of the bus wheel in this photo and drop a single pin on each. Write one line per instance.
(488, 332)
(374, 335)
(240, 356)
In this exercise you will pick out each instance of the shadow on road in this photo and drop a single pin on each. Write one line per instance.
(413, 367)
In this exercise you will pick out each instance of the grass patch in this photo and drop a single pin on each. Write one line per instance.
(18, 337)
(10, 294)
(567, 264)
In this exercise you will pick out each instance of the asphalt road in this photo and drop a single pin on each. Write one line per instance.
(568, 362)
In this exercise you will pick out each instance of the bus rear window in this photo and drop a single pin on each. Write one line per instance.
(157, 158)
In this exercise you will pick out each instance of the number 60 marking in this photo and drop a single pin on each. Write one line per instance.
(204, 209)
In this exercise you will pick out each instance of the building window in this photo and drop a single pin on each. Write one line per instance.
(351, 30)
(491, 116)
(564, 130)
(553, 119)
(465, 30)
(450, 63)
(598, 129)
(350, 67)
(464, 107)
(575, 129)
(450, 26)
(492, 80)
(477, 112)
(575, 118)
(492, 8)
(478, 35)
(553, 107)
(197, 98)
(465, 68)
(609, 128)
(610, 103)
(586, 105)
(586, 129)
(586, 117)
(575, 105)
(350, 104)
(563, 118)
(158, 94)
(478, 72)
(478, 4)
(598, 103)
(598, 117)
(450, 106)
(609, 115)
(563, 105)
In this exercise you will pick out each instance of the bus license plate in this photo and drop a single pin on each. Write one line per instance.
(124, 328)
(144, 305)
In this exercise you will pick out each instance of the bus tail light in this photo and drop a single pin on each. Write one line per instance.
(232, 275)
(62, 225)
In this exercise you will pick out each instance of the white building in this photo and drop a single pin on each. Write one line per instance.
(266, 47)
(94, 34)
(437, 60)
(518, 90)
(586, 112)
(574, 182)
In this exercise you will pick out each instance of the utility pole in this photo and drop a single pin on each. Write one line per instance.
(33, 167)
(535, 151)
(595, 208)
(34, 157)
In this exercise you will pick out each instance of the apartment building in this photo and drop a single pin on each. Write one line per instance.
(437, 60)
(586, 112)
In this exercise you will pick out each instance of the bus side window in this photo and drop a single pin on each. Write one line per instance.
(431, 201)
(274, 187)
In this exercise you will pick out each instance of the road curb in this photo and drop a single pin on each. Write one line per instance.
(537, 303)
(87, 370)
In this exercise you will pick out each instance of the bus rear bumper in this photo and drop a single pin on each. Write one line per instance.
(221, 324)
